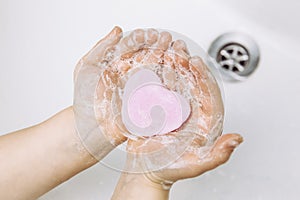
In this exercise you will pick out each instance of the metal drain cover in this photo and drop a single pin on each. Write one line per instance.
(236, 53)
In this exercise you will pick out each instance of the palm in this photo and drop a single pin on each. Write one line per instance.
(109, 62)
(195, 149)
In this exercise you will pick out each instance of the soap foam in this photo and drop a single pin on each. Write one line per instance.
(194, 85)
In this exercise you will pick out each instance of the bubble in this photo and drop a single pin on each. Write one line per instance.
(177, 101)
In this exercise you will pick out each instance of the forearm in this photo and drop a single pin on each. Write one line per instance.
(137, 186)
(36, 159)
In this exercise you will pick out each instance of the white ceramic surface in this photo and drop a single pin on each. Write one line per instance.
(41, 41)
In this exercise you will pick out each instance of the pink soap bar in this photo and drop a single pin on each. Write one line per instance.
(151, 109)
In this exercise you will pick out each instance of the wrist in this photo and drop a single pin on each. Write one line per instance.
(135, 186)
(95, 134)
(157, 182)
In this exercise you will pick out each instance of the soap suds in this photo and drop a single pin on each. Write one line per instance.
(127, 58)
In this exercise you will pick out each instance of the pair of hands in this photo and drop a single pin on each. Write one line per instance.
(151, 47)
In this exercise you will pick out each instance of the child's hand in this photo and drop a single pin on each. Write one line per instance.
(197, 146)
(196, 160)
(98, 79)
(155, 163)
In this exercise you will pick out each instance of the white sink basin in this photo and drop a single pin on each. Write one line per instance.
(48, 38)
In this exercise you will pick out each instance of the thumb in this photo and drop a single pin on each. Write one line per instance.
(221, 151)
(98, 51)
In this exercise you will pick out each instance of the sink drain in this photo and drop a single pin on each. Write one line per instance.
(236, 53)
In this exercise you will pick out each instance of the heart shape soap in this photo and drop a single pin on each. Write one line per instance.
(149, 108)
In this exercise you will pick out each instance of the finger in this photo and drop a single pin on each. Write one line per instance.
(220, 152)
(212, 103)
(96, 54)
(198, 67)
(131, 43)
(200, 72)
(180, 46)
(164, 41)
(157, 50)
(181, 55)
(98, 51)
(151, 36)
